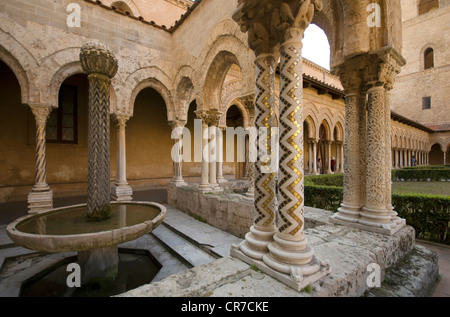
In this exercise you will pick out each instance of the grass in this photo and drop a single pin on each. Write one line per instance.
(435, 188)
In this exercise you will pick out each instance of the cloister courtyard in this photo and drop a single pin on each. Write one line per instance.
(266, 173)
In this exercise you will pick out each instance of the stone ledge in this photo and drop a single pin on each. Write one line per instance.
(349, 251)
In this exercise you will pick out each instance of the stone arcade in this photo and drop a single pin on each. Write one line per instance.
(241, 67)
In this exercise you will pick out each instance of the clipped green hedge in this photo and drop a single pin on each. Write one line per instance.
(324, 191)
(429, 215)
(421, 174)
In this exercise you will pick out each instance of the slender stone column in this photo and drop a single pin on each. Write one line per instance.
(101, 65)
(219, 149)
(375, 210)
(351, 205)
(177, 157)
(328, 150)
(213, 121)
(310, 156)
(341, 158)
(314, 146)
(121, 191)
(204, 186)
(41, 196)
(263, 229)
(290, 252)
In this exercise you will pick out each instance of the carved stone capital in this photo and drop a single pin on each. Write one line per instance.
(210, 116)
(292, 17)
(41, 113)
(177, 123)
(97, 58)
(121, 119)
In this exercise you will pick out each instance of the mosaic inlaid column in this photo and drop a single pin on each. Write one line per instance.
(290, 252)
(121, 191)
(262, 231)
(41, 196)
(101, 65)
(204, 183)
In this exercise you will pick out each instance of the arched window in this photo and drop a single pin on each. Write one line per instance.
(428, 57)
(427, 5)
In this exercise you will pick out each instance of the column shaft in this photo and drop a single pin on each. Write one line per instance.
(290, 252)
(40, 197)
(121, 191)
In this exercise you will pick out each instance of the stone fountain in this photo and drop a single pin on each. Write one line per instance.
(95, 229)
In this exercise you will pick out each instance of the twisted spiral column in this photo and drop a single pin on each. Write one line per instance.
(40, 197)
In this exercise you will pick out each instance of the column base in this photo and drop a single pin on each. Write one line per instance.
(216, 188)
(255, 244)
(179, 182)
(389, 228)
(122, 193)
(221, 179)
(204, 188)
(250, 195)
(347, 213)
(40, 200)
(295, 278)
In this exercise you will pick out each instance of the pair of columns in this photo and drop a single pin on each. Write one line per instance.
(367, 173)
(41, 196)
(212, 150)
(276, 242)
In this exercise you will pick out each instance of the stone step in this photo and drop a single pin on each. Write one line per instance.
(182, 248)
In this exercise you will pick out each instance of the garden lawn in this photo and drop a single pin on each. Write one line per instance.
(435, 188)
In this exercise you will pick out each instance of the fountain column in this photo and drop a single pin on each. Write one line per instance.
(121, 191)
(41, 196)
(101, 65)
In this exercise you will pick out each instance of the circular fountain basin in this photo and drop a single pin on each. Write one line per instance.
(68, 229)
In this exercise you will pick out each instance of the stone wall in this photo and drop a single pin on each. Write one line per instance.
(413, 83)
(226, 211)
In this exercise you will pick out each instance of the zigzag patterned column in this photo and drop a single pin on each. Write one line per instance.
(290, 252)
(263, 229)
(100, 65)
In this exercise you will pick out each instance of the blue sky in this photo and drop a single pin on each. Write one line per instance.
(316, 47)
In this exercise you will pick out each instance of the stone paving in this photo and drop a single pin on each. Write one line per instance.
(348, 250)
